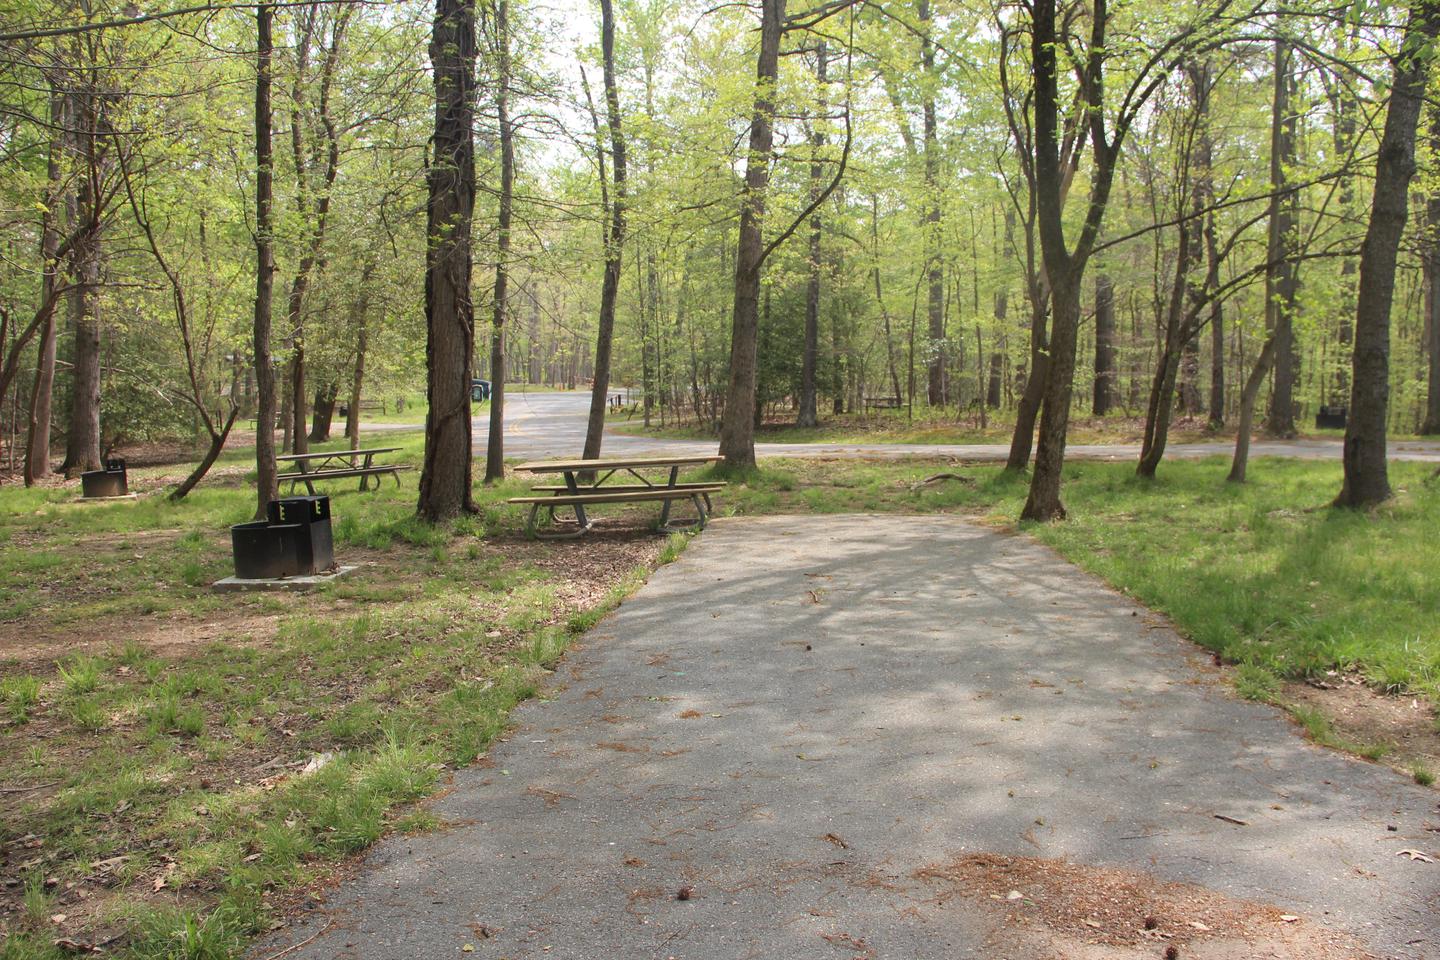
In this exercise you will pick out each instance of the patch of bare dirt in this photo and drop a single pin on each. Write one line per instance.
(1074, 911)
(1361, 714)
(588, 567)
(171, 636)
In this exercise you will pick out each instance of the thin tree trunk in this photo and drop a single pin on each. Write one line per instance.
(1430, 261)
(495, 447)
(1366, 470)
(37, 440)
(1217, 331)
(360, 312)
(266, 483)
(807, 415)
(614, 239)
(82, 445)
(1104, 397)
(1283, 282)
(1251, 392)
(450, 314)
(1028, 409)
(935, 302)
(212, 453)
(880, 298)
(737, 430)
(316, 210)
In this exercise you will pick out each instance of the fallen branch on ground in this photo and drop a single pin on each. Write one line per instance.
(969, 481)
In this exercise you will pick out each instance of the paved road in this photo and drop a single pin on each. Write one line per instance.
(797, 718)
(550, 425)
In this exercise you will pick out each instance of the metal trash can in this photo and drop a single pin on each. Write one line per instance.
(266, 551)
(109, 482)
(316, 552)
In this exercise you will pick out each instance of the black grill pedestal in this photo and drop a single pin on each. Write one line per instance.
(266, 551)
(312, 515)
(110, 482)
(1331, 417)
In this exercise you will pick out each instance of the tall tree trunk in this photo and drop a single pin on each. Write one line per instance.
(1028, 409)
(324, 412)
(37, 439)
(1064, 266)
(1043, 501)
(935, 302)
(450, 313)
(495, 446)
(316, 209)
(880, 298)
(266, 483)
(1248, 395)
(1430, 260)
(810, 357)
(1282, 280)
(614, 239)
(1104, 397)
(995, 386)
(299, 436)
(360, 314)
(1179, 352)
(1345, 109)
(1367, 479)
(82, 445)
(1217, 331)
(737, 429)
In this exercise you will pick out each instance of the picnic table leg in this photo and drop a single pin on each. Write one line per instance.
(665, 507)
(580, 516)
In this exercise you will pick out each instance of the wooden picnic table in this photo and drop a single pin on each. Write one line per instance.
(339, 464)
(586, 483)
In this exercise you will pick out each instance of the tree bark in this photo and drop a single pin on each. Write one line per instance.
(614, 239)
(37, 439)
(807, 416)
(323, 414)
(1251, 392)
(450, 313)
(1104, 397)
(1366, 470)
(934, 273)
(1064, 266)
(737, 428)
(1430, 261)
(315, 210)
(266, 483)
(360, 312)
(82, 444)
(495, 443)
(1217, 331)
(1282, 281)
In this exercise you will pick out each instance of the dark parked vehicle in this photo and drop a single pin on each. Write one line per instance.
(479, 390)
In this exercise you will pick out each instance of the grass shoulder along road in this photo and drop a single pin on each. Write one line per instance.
(927, 427)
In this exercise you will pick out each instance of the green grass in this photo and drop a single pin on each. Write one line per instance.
(191, 763)
(925, 426)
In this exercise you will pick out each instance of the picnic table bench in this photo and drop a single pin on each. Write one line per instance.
(882, 403)
(586, 485)
(366, 406)
(339, 465)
